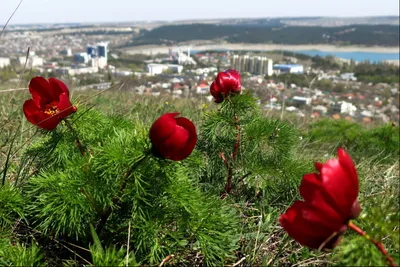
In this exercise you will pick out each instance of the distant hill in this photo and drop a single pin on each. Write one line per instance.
(273, 32)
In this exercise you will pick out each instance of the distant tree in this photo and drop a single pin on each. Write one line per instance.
(340, 88)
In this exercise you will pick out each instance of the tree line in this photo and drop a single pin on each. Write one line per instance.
(369, 35)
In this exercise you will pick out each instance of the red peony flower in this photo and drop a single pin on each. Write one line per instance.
(173, 138)
(226, 82)
(330, 201)
(49, 104)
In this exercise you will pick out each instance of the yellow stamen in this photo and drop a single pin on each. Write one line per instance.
(52, 109)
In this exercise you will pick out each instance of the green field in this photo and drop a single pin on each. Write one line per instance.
(53, 198)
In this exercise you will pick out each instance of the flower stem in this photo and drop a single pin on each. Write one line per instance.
(377, 244)
(77, 141)
(91, 200)
(228, 185)
(116, 199)
(237, 142)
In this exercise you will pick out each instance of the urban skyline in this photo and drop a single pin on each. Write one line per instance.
(45, 11)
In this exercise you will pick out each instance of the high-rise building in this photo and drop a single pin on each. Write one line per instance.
(98, 54)
(235, 62)
(102, 50)
(91, 50)
(253, 64)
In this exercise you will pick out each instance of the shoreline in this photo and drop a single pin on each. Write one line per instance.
(160, 49)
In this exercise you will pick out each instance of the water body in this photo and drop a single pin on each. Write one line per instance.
(356, 56)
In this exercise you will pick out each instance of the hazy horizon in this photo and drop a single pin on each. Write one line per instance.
(90, 11)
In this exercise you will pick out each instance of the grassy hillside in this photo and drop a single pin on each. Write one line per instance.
(368, 35)
(34, 229)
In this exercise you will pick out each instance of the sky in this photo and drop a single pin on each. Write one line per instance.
(61, 11)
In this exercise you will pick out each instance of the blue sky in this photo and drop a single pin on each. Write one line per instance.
(56, 11)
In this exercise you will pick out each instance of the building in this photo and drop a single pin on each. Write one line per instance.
(289, 68)
(32, 61)
(155, 69)
(301, 100)
(81, 58)
(100, 62)
(344, 107)
(348, 77)
(122, 73)
(76, 71)
(253, 64)
(91, 50)
(66, 52)
(4, 62)
(97, 55)
(102, 50)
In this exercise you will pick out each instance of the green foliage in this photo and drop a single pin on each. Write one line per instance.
(11, 207)
(117, 182)
(211, 225)
(325, 63)
(109, 256)
(255, 148)
(56, 204)
(7, 73)
(21, 255)
(381, 142)
(86, 209)
(377, 72)
(273, 32)
(289, 78)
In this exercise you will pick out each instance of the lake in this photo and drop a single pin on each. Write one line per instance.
(357, 56)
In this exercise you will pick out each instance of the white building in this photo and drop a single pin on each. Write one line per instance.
(348, 77)
(33, 61)
(345, 107)
(76, 71)
(100, 62)
(253, 64)
(321, 109)
(4, 62)
(301, 100)
(102, 50)
(155, 69)
(289, 68)
(81, 58)
(122, 73)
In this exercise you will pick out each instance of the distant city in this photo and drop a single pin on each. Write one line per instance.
(285, 78)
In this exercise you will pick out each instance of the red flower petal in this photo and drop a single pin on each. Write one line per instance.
(236, 76)
(37, 117)
(347, 163)
(229, 81)
(162, 128)
(30, 108)
(215, 92)
(313, 192)
(191, 142)
(173, 138)
(330, 201)
(339, 183)
(306, 225)
(318, 166)
(172, 147)
(40, 90)
(64, 106)
(58, 87)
